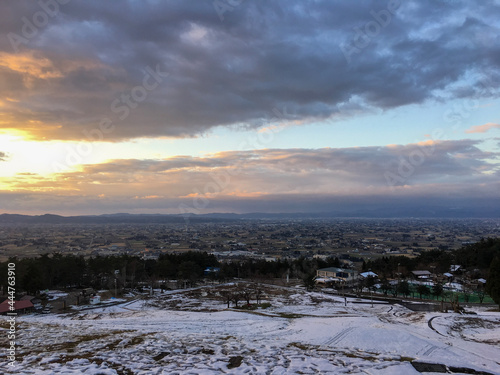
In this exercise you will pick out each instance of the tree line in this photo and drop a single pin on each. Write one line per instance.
(480, 260)
(476, 258)
(56, 270)
(103, 272)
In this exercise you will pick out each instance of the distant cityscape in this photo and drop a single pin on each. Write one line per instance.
(268, 239)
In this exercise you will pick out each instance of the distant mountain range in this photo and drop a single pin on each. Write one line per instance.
(125, 218)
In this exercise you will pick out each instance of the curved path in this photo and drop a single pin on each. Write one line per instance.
(429, 323)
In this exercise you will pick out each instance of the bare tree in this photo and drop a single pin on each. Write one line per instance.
(227, 297)
(236, 297)
(247, 295)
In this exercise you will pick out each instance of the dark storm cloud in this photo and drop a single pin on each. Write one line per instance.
(263, 55)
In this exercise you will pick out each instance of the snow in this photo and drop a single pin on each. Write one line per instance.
(187, 332)
(55, 294)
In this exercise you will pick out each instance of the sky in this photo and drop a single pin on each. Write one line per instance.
(249, 106)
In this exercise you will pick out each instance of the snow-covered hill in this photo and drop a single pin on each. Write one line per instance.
(193, 332)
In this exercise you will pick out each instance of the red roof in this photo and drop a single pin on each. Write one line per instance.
(18, 305)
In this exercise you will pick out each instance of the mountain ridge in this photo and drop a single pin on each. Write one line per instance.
(124, 218)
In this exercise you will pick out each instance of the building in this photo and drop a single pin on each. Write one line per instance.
(37, 303)
(365, 275)
(211, 271)
(20, 307)
(421, 275)
(95, 300)
(336, 275)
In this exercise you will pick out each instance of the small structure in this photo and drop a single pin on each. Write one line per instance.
(37, 303)
(421, 275)
(336, 275)
(20, 307)
(480, 284)
(211, 271)
(87, 292)
(448, 275)
(94, 300)
(365, 275)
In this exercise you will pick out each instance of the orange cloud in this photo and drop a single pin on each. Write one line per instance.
(32, 64)
(429, 142)
(29, 65)
(483, 128)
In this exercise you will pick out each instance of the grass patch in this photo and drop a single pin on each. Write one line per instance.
(71, 345)
(365, 357)
(136, 340)
(112, 345)
(161, 356)
(235, 361)
(406, 359)
(290, 315)
(254, 306)
(299, 345)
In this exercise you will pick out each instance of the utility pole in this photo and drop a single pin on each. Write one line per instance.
(343, 293)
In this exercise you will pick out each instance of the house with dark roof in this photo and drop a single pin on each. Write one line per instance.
(37, 302)
(211, 271)
(367, 274)
(421, 275)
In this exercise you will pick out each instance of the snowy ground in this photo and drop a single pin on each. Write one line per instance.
(301, 333)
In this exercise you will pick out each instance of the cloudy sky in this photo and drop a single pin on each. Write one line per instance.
(248, 105)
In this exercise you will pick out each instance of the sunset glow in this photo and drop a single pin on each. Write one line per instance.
(270, 108)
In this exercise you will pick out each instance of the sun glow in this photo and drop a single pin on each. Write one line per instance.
(27, 157)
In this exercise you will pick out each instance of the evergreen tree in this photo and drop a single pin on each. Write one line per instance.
(437, 290)
(364, 267)
(370, 282)
(32, 280)
(309, 281)
(385, 286)
(404, 288)
(493, 282)
(423, 289)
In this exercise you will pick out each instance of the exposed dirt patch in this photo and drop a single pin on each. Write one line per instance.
(235, 361)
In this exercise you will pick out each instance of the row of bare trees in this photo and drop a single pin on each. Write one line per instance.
(242, 293)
